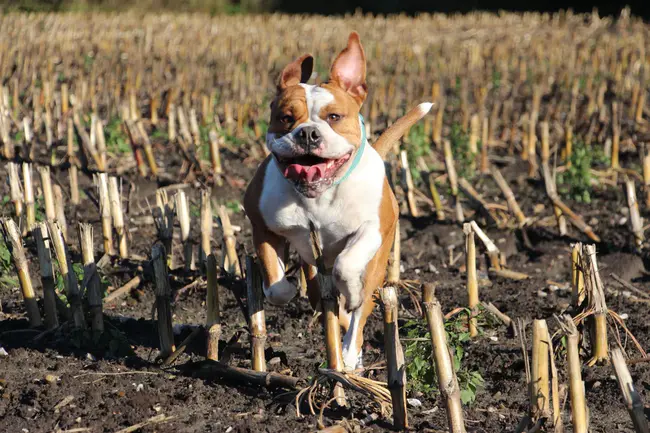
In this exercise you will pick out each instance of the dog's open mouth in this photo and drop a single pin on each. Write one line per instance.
(310, 169)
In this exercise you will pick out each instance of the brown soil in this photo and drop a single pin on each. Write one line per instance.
(112, 392)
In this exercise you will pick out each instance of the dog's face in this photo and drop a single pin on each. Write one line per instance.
(315, 130)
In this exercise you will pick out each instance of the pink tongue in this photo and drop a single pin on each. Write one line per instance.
(305, 173)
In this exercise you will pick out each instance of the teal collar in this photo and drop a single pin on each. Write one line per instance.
(357, 157)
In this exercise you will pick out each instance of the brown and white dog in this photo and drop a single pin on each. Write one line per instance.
(322, 171)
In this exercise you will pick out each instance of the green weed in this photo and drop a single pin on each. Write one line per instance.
(575, 182)
(463, 157)
(117, 141)
(419, 146)
(420, 367)
(7, 276)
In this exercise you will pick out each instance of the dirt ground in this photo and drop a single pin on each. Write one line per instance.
(51, 384)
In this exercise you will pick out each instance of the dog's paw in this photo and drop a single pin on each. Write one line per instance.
(352, 360)
(348, 278)
(281, 292)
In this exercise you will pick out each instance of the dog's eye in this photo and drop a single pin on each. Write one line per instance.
(286, 119)
(333, 117)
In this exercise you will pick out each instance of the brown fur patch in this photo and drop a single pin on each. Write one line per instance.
(292, 101)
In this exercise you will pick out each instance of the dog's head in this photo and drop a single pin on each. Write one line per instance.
(315, 131)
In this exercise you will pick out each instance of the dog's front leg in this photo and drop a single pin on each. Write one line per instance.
(350, 265)
(270, 250)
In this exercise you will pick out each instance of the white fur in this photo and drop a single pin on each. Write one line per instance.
(351, 358)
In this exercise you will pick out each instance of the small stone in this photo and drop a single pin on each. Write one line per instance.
(402, 268)
(622, 221)
(596, 384)
(538, 208)
(624, 316)
(229, 429)
(553, 288)
(121, 394)
(417, 271)
(430, 411)
(593, 221)
(139, 388)
(433, 269)
(3, 352)
(90, 357)
(542, 294)
(300, 335)
(275, 360)
(626, 293)
(157, 408)
(414, 402)
(50, 378)
(78, 420)
(494, 338)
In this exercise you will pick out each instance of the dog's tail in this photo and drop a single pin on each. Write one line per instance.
(395, 131)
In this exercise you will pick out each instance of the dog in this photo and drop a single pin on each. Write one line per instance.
(322, 172)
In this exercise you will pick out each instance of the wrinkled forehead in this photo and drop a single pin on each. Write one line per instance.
(312, 101)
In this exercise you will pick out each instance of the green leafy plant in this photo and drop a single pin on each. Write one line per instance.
(233, 206)
(575, 181)
(463, 157)
(419, 145)
(116, 140)
(420, 368)
(7, 276)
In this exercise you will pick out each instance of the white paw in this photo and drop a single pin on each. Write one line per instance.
(348, 278)
(281, 292)
(352, 360)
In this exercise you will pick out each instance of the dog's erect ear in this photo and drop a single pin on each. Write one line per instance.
(349, 69)
(296, 72)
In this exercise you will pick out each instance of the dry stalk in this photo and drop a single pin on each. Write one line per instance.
(579, 413)
(91, 277)
(256, 314)
(453, 180)
(596, 298)
(539, 384)
(213, 322)
(163, 215)
(447, 381)
(48, 196)
(183, 213)
(616, 136)
(472, 280)
(230, 259)
(215, 156)
(631, 396)
(477, 199)
(28, 189)
(509, 196)
(435, 196)
(206, 225)
(493, 251)
(59, 210)
(118, 216)
(67, 272)
(645, 149)
(485, 163)
(73, 169)
(148, 150)
(577, 276)
(474, 135)
(47, 275)
(101, 140)
(638, 116)
(16, 189)
(532, 144)
(126, 288)
(15, 244)
(394, 358)
(101, 181)
(502, 317)
(163, 293)
(394, 266)
(636, 222)
(408, 180)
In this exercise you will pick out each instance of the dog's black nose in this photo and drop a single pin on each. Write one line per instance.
(309, 137)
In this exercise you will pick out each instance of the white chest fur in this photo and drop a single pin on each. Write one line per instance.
(337, 214)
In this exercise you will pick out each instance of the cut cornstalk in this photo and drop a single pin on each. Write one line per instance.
(532, 144)
(576, 385)
(447, 381)
(472, 280)
(48, 196)
(631, 396)
(493, 251)
(101, 180)
(215, 156)
(70, 280)
(91, 277)
(477, 200)
(213, 322)
(163, 216)
(394, 358)
(256, 314)
(126, 288)
(539, 383)
(568, 144)
(509, 196)
(558, 425)
(646, 173)
(73, 169)
(453, 180)
(16, 189)
(163, 293)
(43, 248)
(148, 150)
(616, 136)
(435, 196)
(485, 163)
(171, 124)
(118, 216)
(408, 180)
(638, 116)
(553, 196)
(473, 140)
(596, 297)
(28, 190)
(394, 265)
(101, 141)
(438, 123)
(15, 244)
(183, 213)
(636, 222)
(59, 210)
(206, 226)
(577, 276)
(503, 318)
(87, 145)
(230, 259)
